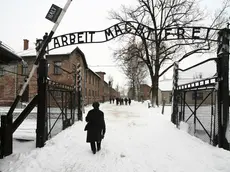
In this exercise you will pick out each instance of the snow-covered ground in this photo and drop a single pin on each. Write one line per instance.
(138, 139)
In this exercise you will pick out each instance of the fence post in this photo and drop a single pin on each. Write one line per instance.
(183, 109)
(223, 87)
(41, 132)
(195, 106)
(6, 137)
(163, 106)
(79, 85)
(174, 116)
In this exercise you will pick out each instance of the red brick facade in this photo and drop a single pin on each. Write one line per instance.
(94, 88)
(144, 93)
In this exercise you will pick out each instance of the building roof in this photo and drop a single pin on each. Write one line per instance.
(94, 73)
(7, 56)
(83, 56)
(32, 53)
(167, 84)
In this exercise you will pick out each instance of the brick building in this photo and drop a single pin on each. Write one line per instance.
(62, 69)
(143, 94)
(8, 64)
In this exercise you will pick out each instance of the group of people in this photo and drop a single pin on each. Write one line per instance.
(120, 101)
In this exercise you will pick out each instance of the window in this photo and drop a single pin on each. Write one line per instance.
(57, 68)
(1, 71)
(199, 95)
(24, 70)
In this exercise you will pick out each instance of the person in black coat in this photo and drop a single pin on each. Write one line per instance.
(95, 127)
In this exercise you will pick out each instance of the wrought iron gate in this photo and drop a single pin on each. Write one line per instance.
(60, 107)
(200, 115)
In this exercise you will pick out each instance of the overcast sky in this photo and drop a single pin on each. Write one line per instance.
(25, 19)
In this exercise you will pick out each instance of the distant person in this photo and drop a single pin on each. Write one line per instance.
(95, 127)
(126, 100)
(129, 101)
(117, 101)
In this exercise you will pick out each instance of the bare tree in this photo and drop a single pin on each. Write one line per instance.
(110, 79)
(132, 66)
(160, 15)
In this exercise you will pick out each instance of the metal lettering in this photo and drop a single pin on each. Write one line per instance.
(208, 30)
(86, 37)
(134, 28)
(56, 43)
(140, 29)
(167, 32)
(117, 30)
(150, 30)
(128, 27)
(72, 38)
(91, 34)
(194, 31)
(79, 36)
(108, 32)
(180, 33)
(64, 40)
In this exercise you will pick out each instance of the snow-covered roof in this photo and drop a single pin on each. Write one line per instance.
(7, 55)
(166, 84)
(29, 52)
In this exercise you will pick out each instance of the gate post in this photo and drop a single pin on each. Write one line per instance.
(41, 132)
(223, 87)
(79, 89)
(6, 137)
(174, 116)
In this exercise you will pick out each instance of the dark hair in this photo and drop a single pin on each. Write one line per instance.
(95, 104)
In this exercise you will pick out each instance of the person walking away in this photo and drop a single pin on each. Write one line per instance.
(129, 101)
(95, 127)
(126, 100)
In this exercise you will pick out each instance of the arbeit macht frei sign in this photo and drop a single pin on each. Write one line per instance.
(128, 27)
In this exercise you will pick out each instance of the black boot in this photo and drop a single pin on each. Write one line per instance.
(93, 147)
(98, 146)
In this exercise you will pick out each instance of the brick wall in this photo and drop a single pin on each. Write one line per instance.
(94, 88)
(8, 85)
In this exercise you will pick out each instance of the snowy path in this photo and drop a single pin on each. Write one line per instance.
(138, 139)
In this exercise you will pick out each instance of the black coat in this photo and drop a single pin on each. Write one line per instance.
(95, 125)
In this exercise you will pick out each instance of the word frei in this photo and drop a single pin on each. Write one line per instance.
(148, 33)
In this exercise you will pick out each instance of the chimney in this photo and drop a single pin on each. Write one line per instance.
(26, 44)
(101, 74)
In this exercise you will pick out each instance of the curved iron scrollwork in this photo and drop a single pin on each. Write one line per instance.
(134, 28)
